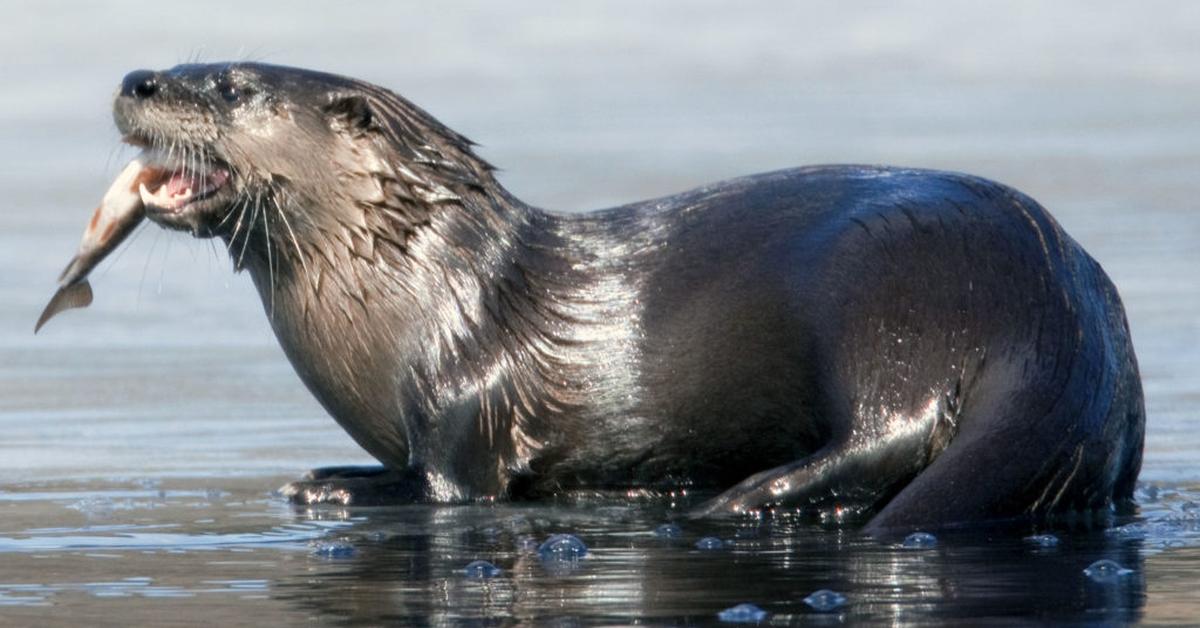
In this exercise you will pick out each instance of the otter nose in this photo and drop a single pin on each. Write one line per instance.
(140, 84)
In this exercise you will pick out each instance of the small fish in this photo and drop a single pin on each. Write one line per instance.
(119, 212)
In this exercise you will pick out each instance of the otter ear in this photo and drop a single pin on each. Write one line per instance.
(349, 112)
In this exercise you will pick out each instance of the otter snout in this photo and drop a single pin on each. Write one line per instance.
(140, 84)
(142, 107)
(171, 108)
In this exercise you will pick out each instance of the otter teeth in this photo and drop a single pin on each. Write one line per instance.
(179, 188)
(163, 199)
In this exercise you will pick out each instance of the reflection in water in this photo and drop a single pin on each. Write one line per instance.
(183, 548)
(409, 568)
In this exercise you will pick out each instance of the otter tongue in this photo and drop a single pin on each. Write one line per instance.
(182, 181)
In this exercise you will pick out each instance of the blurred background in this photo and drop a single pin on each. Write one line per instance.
(1090, 107)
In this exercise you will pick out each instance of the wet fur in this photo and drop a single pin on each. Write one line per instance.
(923, 345)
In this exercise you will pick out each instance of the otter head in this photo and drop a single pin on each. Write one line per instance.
(247, 148)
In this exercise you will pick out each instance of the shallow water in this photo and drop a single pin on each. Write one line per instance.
(137, 549)
(142, 437)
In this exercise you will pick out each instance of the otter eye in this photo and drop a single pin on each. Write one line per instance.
(232, 90)
(229, 92)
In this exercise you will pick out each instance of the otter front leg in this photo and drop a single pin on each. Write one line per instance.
(357, 486)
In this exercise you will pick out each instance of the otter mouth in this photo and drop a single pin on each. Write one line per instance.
(180, 190)
(186, 196)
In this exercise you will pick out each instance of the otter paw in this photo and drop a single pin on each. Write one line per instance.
(308, 493)
(355, 486)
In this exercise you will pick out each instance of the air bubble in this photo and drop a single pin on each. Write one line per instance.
(742, 614)
(1106, 571)
(919, 540)
(825, 600)
(562, 547)
(668, 531)
(481, 570)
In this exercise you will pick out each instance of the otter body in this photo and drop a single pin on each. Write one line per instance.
(925, 347)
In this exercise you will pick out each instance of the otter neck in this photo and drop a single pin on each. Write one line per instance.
(477, 330)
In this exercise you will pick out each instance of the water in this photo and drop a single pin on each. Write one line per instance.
(143, 437)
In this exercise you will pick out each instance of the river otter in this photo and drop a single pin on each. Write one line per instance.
(923, 347)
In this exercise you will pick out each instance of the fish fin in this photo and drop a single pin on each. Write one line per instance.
(67, 297)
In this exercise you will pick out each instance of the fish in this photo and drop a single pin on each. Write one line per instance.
(119, 212)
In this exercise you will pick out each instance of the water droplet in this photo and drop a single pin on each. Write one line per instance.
(919, 540)
(825, 600)
(481, 570)
(1043, 540)
(710, 543)
(668, 531)
(742, 614)
(562, 547)
(333, 550)
(1106, 571)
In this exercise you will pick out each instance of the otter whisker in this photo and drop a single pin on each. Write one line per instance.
(146, 266)
(112, 154)
(224, 220)
(170, 149)
(128, 244)
(125, 246)
(295, 242)
(205, 163)
(212, 248)
(189, 160)
(270, 258)
(249, 227)
(243, 206)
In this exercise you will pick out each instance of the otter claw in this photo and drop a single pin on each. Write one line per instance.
(311, 493)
